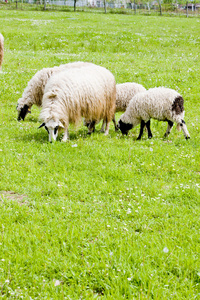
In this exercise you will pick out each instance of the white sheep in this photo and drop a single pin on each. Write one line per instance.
(1, 49)
(88, 92)
(124, 93)
(160, 103)
(34, 91)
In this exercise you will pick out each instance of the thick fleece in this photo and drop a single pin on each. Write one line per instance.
(161, 103)
(88, 92)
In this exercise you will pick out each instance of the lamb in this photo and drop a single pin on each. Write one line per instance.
(34, 91)
(1, 49)
(160, 103)
(88, 92)
(124, 93)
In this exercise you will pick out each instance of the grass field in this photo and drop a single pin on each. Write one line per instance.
(99, 217)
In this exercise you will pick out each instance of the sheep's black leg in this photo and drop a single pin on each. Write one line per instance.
(148, 129)
(91, 127)
(169, 128)
(114, 121)
(142, 124)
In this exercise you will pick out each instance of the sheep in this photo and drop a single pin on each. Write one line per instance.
(1, 49)
(34, 91)
(124, 93)
(88, 92)
(160, 103)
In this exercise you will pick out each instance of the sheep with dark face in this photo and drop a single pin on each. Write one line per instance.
(34, 91)
(162, 104)
(88, 92)
(1, 49)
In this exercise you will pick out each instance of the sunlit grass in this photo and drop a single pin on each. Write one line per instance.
(99, 217)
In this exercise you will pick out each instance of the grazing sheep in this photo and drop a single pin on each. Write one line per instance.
(124, 93)
(34, 91)
(1, 49)
(88, 92)
(161, 103)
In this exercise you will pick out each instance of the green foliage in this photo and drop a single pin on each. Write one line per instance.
(99, 217)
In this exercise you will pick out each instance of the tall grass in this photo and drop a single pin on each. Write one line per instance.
(99, 217)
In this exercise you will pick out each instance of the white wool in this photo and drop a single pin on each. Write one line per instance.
(161, 103)
(34, 91)
(155, 103)
(1, 49)
(125, 92)
(88, 92)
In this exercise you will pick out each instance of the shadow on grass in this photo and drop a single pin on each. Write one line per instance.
(40, 136)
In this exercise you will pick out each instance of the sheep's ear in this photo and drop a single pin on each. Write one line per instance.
(42, 125)
(60, 125)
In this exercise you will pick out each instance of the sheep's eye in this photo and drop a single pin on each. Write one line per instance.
(46, 129)
(55, 130)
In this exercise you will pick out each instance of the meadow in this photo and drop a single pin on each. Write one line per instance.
(99, 217)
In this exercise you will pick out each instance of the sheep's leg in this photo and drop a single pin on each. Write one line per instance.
(103, 126)
(184, 129)
(142, 124)
(114, 121)
(169, 128)
(66, 135)
(107, 128)
(147, 124)
(91, 127)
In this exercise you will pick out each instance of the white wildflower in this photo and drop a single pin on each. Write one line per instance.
(165, 250)
(57, 282)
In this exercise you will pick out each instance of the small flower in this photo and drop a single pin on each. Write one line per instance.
(57, 282)
(75, 145)
(7, 281)
(129, 278)
(151, 149)
(165, 250)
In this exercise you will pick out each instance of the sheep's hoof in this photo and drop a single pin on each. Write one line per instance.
(89, 133)
(116, 129)
(187, 137)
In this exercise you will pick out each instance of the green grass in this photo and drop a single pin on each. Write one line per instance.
(99, 217)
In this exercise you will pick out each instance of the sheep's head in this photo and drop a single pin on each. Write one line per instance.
(22, 111)
(124, 127)
(52, 127)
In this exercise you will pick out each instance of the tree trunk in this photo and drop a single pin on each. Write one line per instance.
(134, 7)
(74, 5)
(16, 4)
(160, 7)
(187, 9)
(45, 3)
(105, 5)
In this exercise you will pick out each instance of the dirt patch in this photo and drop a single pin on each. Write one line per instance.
(20, 199)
